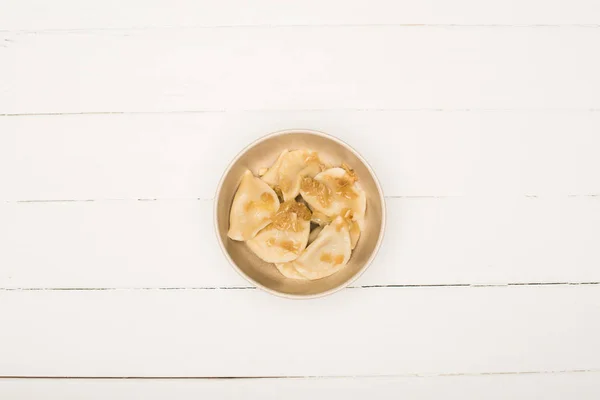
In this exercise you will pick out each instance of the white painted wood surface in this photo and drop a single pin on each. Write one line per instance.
(429, 241)
(481, 119)
(244, 332)
(550, 386)
(415, 153)
(111, 14)
(348, 67)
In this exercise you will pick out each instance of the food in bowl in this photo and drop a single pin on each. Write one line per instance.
(301, 214)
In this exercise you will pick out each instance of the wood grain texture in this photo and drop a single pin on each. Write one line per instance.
(251, 333)
(553, 386)
(431, 241)
(300, 68)
(70, 14)
(482, 121)
(418, 153)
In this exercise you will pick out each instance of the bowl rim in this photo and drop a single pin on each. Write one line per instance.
(288, 295)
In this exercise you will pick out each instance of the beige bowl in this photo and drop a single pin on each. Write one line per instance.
(262, 153)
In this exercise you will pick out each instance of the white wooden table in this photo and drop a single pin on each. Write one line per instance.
(482, 120)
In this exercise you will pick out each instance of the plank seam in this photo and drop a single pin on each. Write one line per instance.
(150, 199)
(416, 375)
(34, 201)
(305, 26)
(265, 110)
(390, 286)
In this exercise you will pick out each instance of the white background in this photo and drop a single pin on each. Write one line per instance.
(481, 119)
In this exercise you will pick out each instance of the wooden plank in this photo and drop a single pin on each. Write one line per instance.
(68, 14)
(414, 153)
(369, 67)
(557, 386)
(250, 333)
(429, 241)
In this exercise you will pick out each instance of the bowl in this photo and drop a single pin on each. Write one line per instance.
(263, 153)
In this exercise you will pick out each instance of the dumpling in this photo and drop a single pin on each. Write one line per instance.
(286, 237)
(328, 254)
(271, 176)
(253, 206)
(294, 166)
(335, 192)
(314, 234)
(289, 169)
(320, 219)
(353, 226)
(354, 233)
(289, 271)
